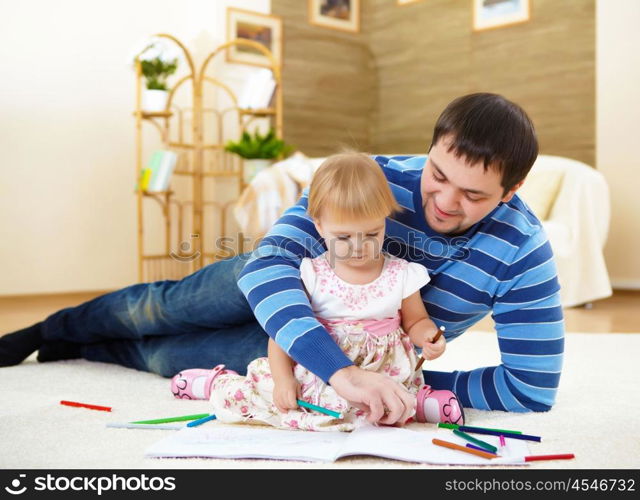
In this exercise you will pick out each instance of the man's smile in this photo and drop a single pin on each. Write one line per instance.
(440, 214)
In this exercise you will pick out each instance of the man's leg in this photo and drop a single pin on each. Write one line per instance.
(206, 300)
(203, 301)
(235, 347)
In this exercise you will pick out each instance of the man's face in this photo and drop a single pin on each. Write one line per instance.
(456, 195)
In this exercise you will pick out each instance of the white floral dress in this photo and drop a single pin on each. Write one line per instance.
(364, 320)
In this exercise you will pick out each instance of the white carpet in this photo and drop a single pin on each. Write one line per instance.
(595, 417)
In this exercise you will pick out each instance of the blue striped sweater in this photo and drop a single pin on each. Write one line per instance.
(503, 264)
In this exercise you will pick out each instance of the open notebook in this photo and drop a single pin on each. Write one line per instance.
(244, 441)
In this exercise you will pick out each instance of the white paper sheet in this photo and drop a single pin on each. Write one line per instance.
(244, 441)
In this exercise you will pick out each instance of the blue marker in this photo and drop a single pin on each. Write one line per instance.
(201, 421)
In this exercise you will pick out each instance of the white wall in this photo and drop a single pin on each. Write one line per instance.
(618, 119)
(67, 208)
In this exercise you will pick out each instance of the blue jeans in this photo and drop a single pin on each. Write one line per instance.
(167, 326)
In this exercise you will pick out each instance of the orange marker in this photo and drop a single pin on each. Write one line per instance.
(85, 405)
(454, 446)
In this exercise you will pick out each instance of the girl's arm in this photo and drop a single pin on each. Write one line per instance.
(285, 385)
(421, 330)
(281, 365)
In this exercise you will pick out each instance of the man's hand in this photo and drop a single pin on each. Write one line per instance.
(385, 400)
(285, 393)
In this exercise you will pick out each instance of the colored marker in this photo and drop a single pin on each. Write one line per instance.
(435, 339)
(445, 425)
(320, 409)
(172, 419)
(127, 425)
(478, 430)
(85, 405)
(469, 428)
(561, 456)
(474, 447)
(454, 446)
(201, 421)
(502, 441)
(479, 442)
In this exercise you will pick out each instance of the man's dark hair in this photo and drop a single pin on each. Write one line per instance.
(489, 128)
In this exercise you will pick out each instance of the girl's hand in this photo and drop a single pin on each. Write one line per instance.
(431, 350)
(285, 393)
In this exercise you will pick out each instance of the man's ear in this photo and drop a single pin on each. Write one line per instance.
(507, 197)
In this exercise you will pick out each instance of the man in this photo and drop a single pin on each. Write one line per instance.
(485, 251)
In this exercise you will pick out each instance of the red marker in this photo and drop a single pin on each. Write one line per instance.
(85, 405)
(563, 456)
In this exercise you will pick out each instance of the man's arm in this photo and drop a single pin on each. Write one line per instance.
(271, 283)
(530, 329)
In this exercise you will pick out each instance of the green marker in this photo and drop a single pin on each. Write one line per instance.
(443, 425)
(172, 419)
(455, 426)
(320, 409)
(479, 442)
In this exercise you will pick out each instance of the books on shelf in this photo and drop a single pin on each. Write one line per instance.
(258, 90)
(157, 176)
(145, 177)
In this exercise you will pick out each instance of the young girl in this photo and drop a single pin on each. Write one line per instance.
(368, 300)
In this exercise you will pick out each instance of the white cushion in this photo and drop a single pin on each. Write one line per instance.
(540, 190)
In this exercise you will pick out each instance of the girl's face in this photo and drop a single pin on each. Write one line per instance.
(355, 243)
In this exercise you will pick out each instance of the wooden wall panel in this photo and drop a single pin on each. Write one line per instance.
(427, 54)
(328, 83)
(386, 86)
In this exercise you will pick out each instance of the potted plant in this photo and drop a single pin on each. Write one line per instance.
(158, 61)
(258, 151)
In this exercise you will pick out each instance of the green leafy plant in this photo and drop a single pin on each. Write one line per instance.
(156, 71)
(158, 60)
(255, 145)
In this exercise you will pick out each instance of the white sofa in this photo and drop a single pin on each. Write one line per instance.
(571, 199)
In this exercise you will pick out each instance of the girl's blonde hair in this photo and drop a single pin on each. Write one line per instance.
(351, 186)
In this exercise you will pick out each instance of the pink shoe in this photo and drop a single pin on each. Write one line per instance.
(438, 406)
(195, 383)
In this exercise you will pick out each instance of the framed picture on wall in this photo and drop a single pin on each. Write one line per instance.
(261, 28)
(488, 14)
(336, 14)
